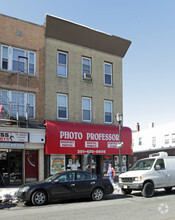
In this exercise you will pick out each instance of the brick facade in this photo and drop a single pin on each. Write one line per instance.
(26, 36)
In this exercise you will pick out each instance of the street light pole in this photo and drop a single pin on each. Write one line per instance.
(119, 118)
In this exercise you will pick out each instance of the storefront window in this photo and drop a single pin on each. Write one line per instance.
(73, 162)
(57, 164)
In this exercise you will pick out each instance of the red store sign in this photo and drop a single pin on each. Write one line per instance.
(75, 138)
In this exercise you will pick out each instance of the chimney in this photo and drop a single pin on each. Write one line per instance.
(137, 127)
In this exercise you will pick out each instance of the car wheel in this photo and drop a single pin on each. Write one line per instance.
(168, 189)
(39, 198)
(126, 191)
(148, 190)
(97, 194)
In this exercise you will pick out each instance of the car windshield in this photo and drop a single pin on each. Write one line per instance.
(143, 164)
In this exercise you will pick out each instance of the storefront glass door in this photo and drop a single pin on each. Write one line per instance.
(10, 167)
(15, 167)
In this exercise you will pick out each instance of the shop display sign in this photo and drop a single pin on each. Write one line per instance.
(57, 163)
(75, 138)
(6, 136)
(3, 155)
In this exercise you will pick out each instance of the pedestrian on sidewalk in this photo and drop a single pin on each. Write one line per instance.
(111, 174)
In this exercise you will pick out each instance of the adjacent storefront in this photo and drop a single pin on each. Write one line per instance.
(21, 155)
(67, 143)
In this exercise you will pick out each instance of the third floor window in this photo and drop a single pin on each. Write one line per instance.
(18, 60)
(108, 74)
(62, 64)
(86, 68)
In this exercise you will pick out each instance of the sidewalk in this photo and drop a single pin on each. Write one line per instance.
(7, 194)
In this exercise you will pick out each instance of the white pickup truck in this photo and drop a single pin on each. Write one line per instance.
(148, 174)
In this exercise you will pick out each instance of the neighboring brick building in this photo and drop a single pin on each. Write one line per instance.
(83, 89)
(21, 100)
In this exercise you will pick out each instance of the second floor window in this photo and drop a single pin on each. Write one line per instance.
(62, 106)
(11, 60)
(86, 109)
(108, 74)
(62, 64)
(140, 141)
(173, 138)
(21, 102)
(108, 111)
(167, 139)
(153, 141)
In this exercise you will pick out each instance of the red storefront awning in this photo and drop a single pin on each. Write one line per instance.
(76, 138)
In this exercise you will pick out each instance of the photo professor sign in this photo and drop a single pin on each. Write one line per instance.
(75, 138)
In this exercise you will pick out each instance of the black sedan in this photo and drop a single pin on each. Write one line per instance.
(65, 185)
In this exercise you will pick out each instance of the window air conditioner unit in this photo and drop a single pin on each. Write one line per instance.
(87, 76)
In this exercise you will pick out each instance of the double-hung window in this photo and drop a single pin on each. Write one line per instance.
(166, 139)
(108, 74)
(17, 53)
(62, 104)
(86, 109)
(140, 141)
(173, 138)
(86, 68)
(4, 57)
(108, 112)
(62, 64)
(153, 141)
(18, 60)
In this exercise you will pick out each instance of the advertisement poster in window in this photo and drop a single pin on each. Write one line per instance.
(57, 163)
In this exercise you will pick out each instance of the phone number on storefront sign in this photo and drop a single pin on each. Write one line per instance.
(91, 151)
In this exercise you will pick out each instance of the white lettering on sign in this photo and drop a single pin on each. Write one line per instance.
(103, 137)
(64, 143)
(91, 144)
(112, 144)
(71, 135)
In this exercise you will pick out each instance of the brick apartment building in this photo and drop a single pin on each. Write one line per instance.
(21, 101)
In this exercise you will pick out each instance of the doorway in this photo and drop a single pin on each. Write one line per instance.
(10, 167)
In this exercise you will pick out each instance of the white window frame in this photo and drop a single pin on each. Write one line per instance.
(90, 99)
(173, 138)
(111, 103)
(10, 59)
(109, 74)
(66, 96)
(20, 60)
(34, 62)
(3, 57)
(140, 141)
(85, 58)
(58, 64)
(167, 139)
(153, 141)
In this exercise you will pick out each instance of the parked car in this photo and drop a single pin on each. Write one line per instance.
(65, 185)
(148, 174)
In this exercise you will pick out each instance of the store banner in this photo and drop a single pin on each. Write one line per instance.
(75, 138)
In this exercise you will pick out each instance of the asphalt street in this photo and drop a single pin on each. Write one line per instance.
(115, 206)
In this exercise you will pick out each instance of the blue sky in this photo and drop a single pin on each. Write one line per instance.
(149, 65)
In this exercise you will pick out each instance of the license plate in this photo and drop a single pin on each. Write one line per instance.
(125, 187)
